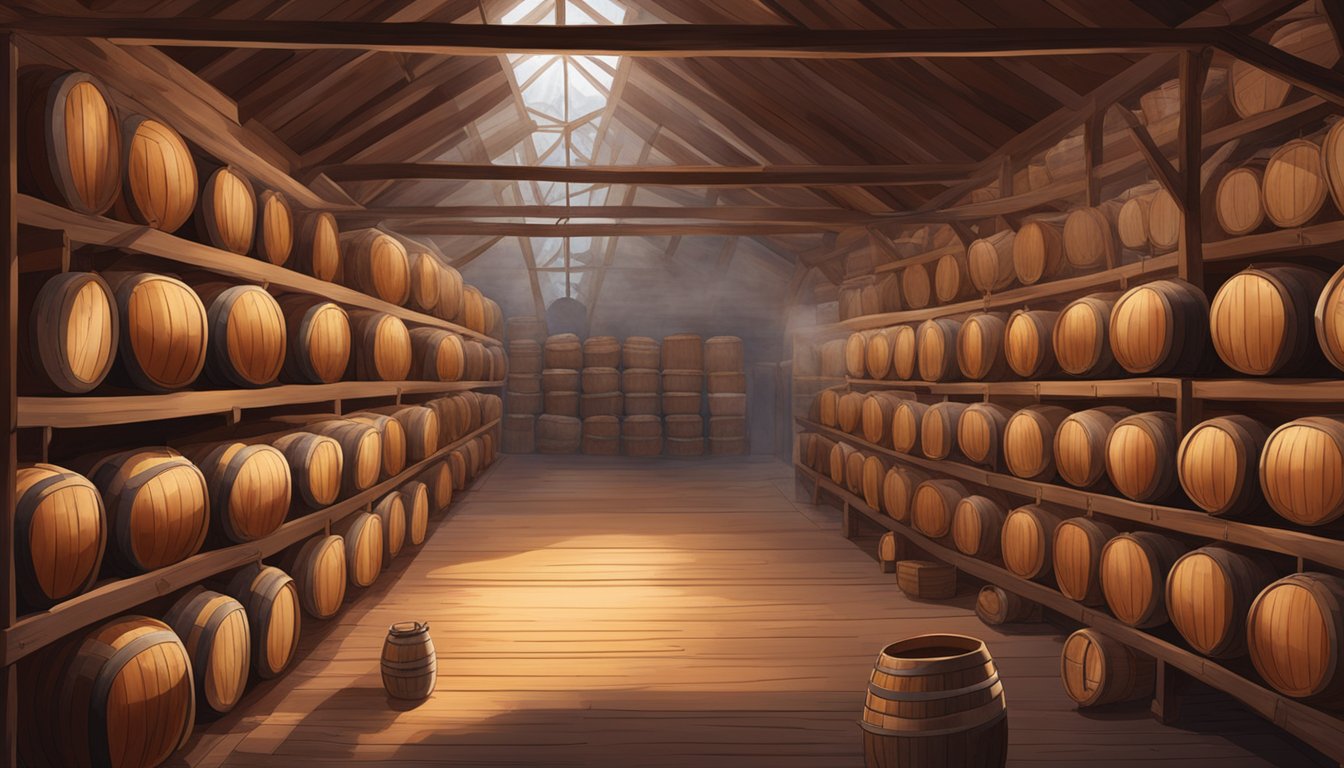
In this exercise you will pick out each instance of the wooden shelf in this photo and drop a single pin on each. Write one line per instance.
(1164, 388)
(1309, 546)
(1323, 731)
(1275, 242)
(68, 412)
(37, 630)
(99, 230)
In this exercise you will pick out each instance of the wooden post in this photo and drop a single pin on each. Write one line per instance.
(1190, 259)
(1167, 693)
(1092, 137)
(9, 297)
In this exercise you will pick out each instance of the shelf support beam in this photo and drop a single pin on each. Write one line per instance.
(1190, 259)
(9, 296)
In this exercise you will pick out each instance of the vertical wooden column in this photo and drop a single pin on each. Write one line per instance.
(9, 298)
(1092, 132)
(1190, 256)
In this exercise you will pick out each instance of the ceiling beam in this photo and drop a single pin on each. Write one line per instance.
(662, 229)
(845, 218)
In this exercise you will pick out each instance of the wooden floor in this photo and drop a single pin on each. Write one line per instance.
(613, 612)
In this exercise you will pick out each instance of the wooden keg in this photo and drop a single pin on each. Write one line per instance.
(1029, 441)
(1090, 241)
(873, 475)
(1131, 222)
(437, 355)
(916, 287)
(1294, 631)
(525, 356)
(1076, 557)
(641, 352)
(420, 429)
(1027, 342)
(936, 349)
(1134, 568)
(476, 361)
(1209, 593)
(361, 451)
(439, 479)
(1332, 157)
(157, 507)
(828, 407)
(601, 352)
(1160, 328)
(951, 278)
(364, 539)
(723, 354)
(520, 433)
(1261, 319)
(728, 437)
(318, 247)
(249, 487)
(415, 495)
(391, 511)
(558, 434)
(1254, 91)
(977, 523)
(213, 628)
(382, 347)
(933, 506)
(226, 217)
(472, 314)
(989, 261)
(1164, 222)
(315, 464)
(727, 383)
(878, 410)
(904, 351)
(725, 404)
(877, 356)
(684, 352)
(457, 461)
(164, 330)
(596, 381)
(451, 292)
(1294, 186)
(601, 436)
(377, 264)
(72, 333)
(275, 227)
(409, 665)
(70, 141)
(424, 273)
(832, 358)
(1300, 468)
(1097, 670)
(247, 337)
(980, 354)
(996, 605)
(643, 404)
(888, 552)
(1081, 337)
(1330, 320)
(272, 602)
(684, 447)
(839, 461)
(317, 340)
(1038, 251)
(318, 568)
(938, 430)
(392, 435)
(1026, 540)
(60, 533)
(980, 433)
(681, 403)
(1239, 201)
(642, 435)
(1141, 455)
(563, 351)
(159, 185)
(118, 694)
(935, 698)
(1080, 444)
(898, 491)
(905, 423)
(1217, 464)
(856, 354)
(849, 412)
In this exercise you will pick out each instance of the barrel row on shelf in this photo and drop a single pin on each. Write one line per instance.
(214, 639)
(1223, 601)
(85, 156)
(167, 332)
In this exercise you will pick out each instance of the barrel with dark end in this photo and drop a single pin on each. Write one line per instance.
(977, 523)
(1294, 186)
(1239, 202)
(996, 605)
(1218, 462)
(878, 353)
(318, 569)
(904, 352)
(1300, 470)
(934, 503)
(898, 491)
(1029, 441)
(849, 412)
(683, 352)
(938, 429)
(1160, 328)
(856, 354)
(382, 347)
(391, 510)
(214, 630)
(874, 473)
(72, 335)
(1141, 455)
(952, 279)
(1097, 670)
(558, 434)
(247, 337)
(1027, 343)
(1081, 337)
(250, 488)
(392, 434)
(1026, 540)
(1261, 319)
(272, 602)
(157, 507)
(275, 227)
(1209, 593)
(1295, 629)
(980, 433)
(318, 247)
(317, 340)
(989, 261)
(60, 533)
(164, 330)
(362, 533)
(377, 263)
(315, 464)
(935, 700)
(415, 495)
(888, 552)
(70, 141)
(1080, 444)
(905, 422)
(936, 349)
(980, 348)
(227, 214)
(159, 185)
(1076, 557)
(409, 664)
(1134, 567)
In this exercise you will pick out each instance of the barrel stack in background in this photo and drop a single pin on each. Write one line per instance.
(562, 358)
(602, 403)
(683, 387)
(727, 384)
(523, 395)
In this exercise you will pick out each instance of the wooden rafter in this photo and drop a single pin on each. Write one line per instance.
(841, 217)
(697, 176)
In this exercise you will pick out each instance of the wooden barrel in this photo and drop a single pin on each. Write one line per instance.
(318, 569)
(361, 449)
(247, 338)
(392, 435)
(898, 491)
(683, 351)
(878, 410)
(938, 430)
(1076, 557)
(382, 347)
(606, 404)
(888, 552)
(641, 352)
(1131, 222)
(1261, 319)
(214, 630)
(641, 381)
(1330, 320)
(1217, 464)
(597, 381)
(525, 356)
(951, 278)
(935, 699)
(439, 479)
(832, 358)
(563, 351)
(916, 288)
(856, 354)
(272, 602)
(473, 312)
(996, 605)
(1134, 567)
(828, 407)
(275, 227)
(408, 663)
(989, 261)
(72, 333)
(377, 263)
(60, 533)
(1081, 336)
(1295, 630)
(1160, 328)
(723, 354)
(905, 423)
(1294, 186)
(1026, 540)
(420, 425)
(601, 436)
(849, 412)
(642, 435)
(878, 353)
(157, 507)
(318, 247)
(159, 185)
(934, 504)
(601, 352)
(451, 290)
(839, 461)
(1098, 670)
(457, 461)
(558, 434)
(1080, 444)
(873, 475)
(1029, 441)
(70, 141)
(437, 355)
(520, 433)
(936, 346)
(118, 694)
(1038, 252)
(1141, 455)
(425, 273)
(415, 495)
(227, 215)
(363, 536)
(1027, 342)
(1300, 468)
(977, 523)
(391, 511)
(317, 340)
(315, 464)
(727, 383)
(1164, 222)
(560, 380)
(1332, 156)
(980, 433)
(980, 354)
(649, 404)
(1239, 201)
(164, 330)
(1089, 236)
(1209, 593)
(249, 488)
(1254, 91)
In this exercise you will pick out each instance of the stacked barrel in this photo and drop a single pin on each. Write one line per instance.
(603, 403)
(683, 387)
(727, 384)
(642, 387)
(559, 429)
(523, 396)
